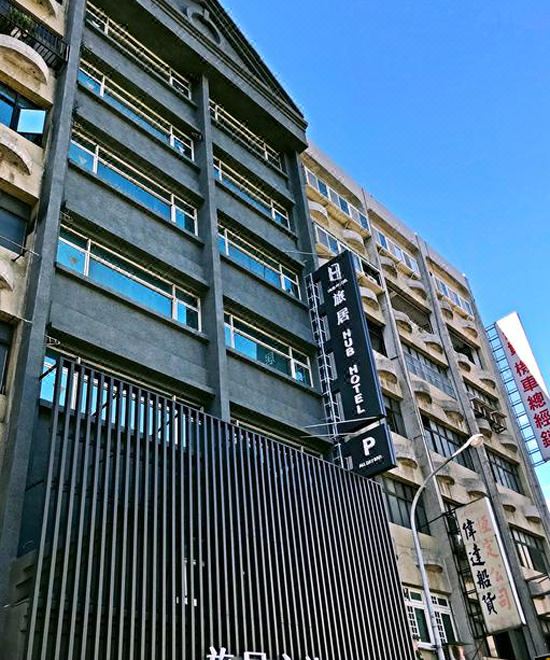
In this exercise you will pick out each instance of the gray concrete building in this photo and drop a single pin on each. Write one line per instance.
(163, 493)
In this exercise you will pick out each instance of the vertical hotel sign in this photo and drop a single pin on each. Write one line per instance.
(490, 570)
(353, 377)
(533, 396)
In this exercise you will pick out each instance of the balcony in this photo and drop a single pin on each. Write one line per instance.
(19, 25)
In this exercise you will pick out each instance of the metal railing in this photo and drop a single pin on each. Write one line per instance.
(21, 25)
(243, 134)
(145, 57)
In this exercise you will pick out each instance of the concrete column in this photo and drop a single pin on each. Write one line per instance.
(26, 387)
(212, 301)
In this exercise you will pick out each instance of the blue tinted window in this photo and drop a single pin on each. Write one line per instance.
(81, 157)
(71, 257)
(120, 182)
(134, 290)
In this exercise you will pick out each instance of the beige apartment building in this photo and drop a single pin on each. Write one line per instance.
(440, 386)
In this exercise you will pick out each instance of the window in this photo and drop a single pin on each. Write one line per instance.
(258, 262)
(530, 550)
(490, 401)
(393, 415)
(424, 368)
(251, 193)
(418, 316)
(417, 613)
(22, 116)
(98, 83)
(399, 498)
(13, 223)
(261, 347)
(112, 270)
(94, 158)
(505, 472)
(135, 49)
(244, 135)
(6, 335)
(355, 214)
(445, 442)
(398, 252)
(336, 246)
(376, 334)
(450, 293)
(464, 348)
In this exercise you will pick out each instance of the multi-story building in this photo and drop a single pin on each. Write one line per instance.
(440, 385)
(163, 489)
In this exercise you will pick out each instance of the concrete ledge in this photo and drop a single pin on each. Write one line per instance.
(318, 211)
(26, 56)
(13, 151)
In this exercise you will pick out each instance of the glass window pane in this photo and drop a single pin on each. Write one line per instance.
(70, 256)
(31, 121)
(13, 229)
(302, 374)
(422, 625)
(134, 290)
(187, 315)
(245, 346)
(81, 157)
(89, 82)
(120, 182)
(185, 221)
(6, 112)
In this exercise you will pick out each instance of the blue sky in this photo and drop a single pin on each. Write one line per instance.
(441, 110)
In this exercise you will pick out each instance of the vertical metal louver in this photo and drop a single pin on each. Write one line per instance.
(167, 531)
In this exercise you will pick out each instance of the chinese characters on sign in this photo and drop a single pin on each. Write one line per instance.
(353, 381)
(222, 654)
(496, 591)
(535, 401)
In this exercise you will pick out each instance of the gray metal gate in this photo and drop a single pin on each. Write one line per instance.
(168, 533)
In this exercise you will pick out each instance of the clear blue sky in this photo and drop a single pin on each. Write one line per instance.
(441, 109)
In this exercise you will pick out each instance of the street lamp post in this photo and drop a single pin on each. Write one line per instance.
(474, 441)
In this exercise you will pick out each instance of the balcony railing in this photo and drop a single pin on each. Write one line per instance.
(20, 24)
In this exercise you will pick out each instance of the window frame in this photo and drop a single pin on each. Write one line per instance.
(404, 494)
(358, 216)
(432, 372)
(509, 475)
(397, 251)
(361, 265)
(445, 442)
(104, 156)
(441, 606)
(394, 416)
(225, 173)
(89, 256)
(230, 322)
(526, 559)
(19, 103)
(230, 237)
(108, 87)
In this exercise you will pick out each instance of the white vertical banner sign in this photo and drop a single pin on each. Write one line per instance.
(490, 569)
(533, 396)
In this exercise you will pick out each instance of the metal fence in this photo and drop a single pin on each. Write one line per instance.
(170, 534)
